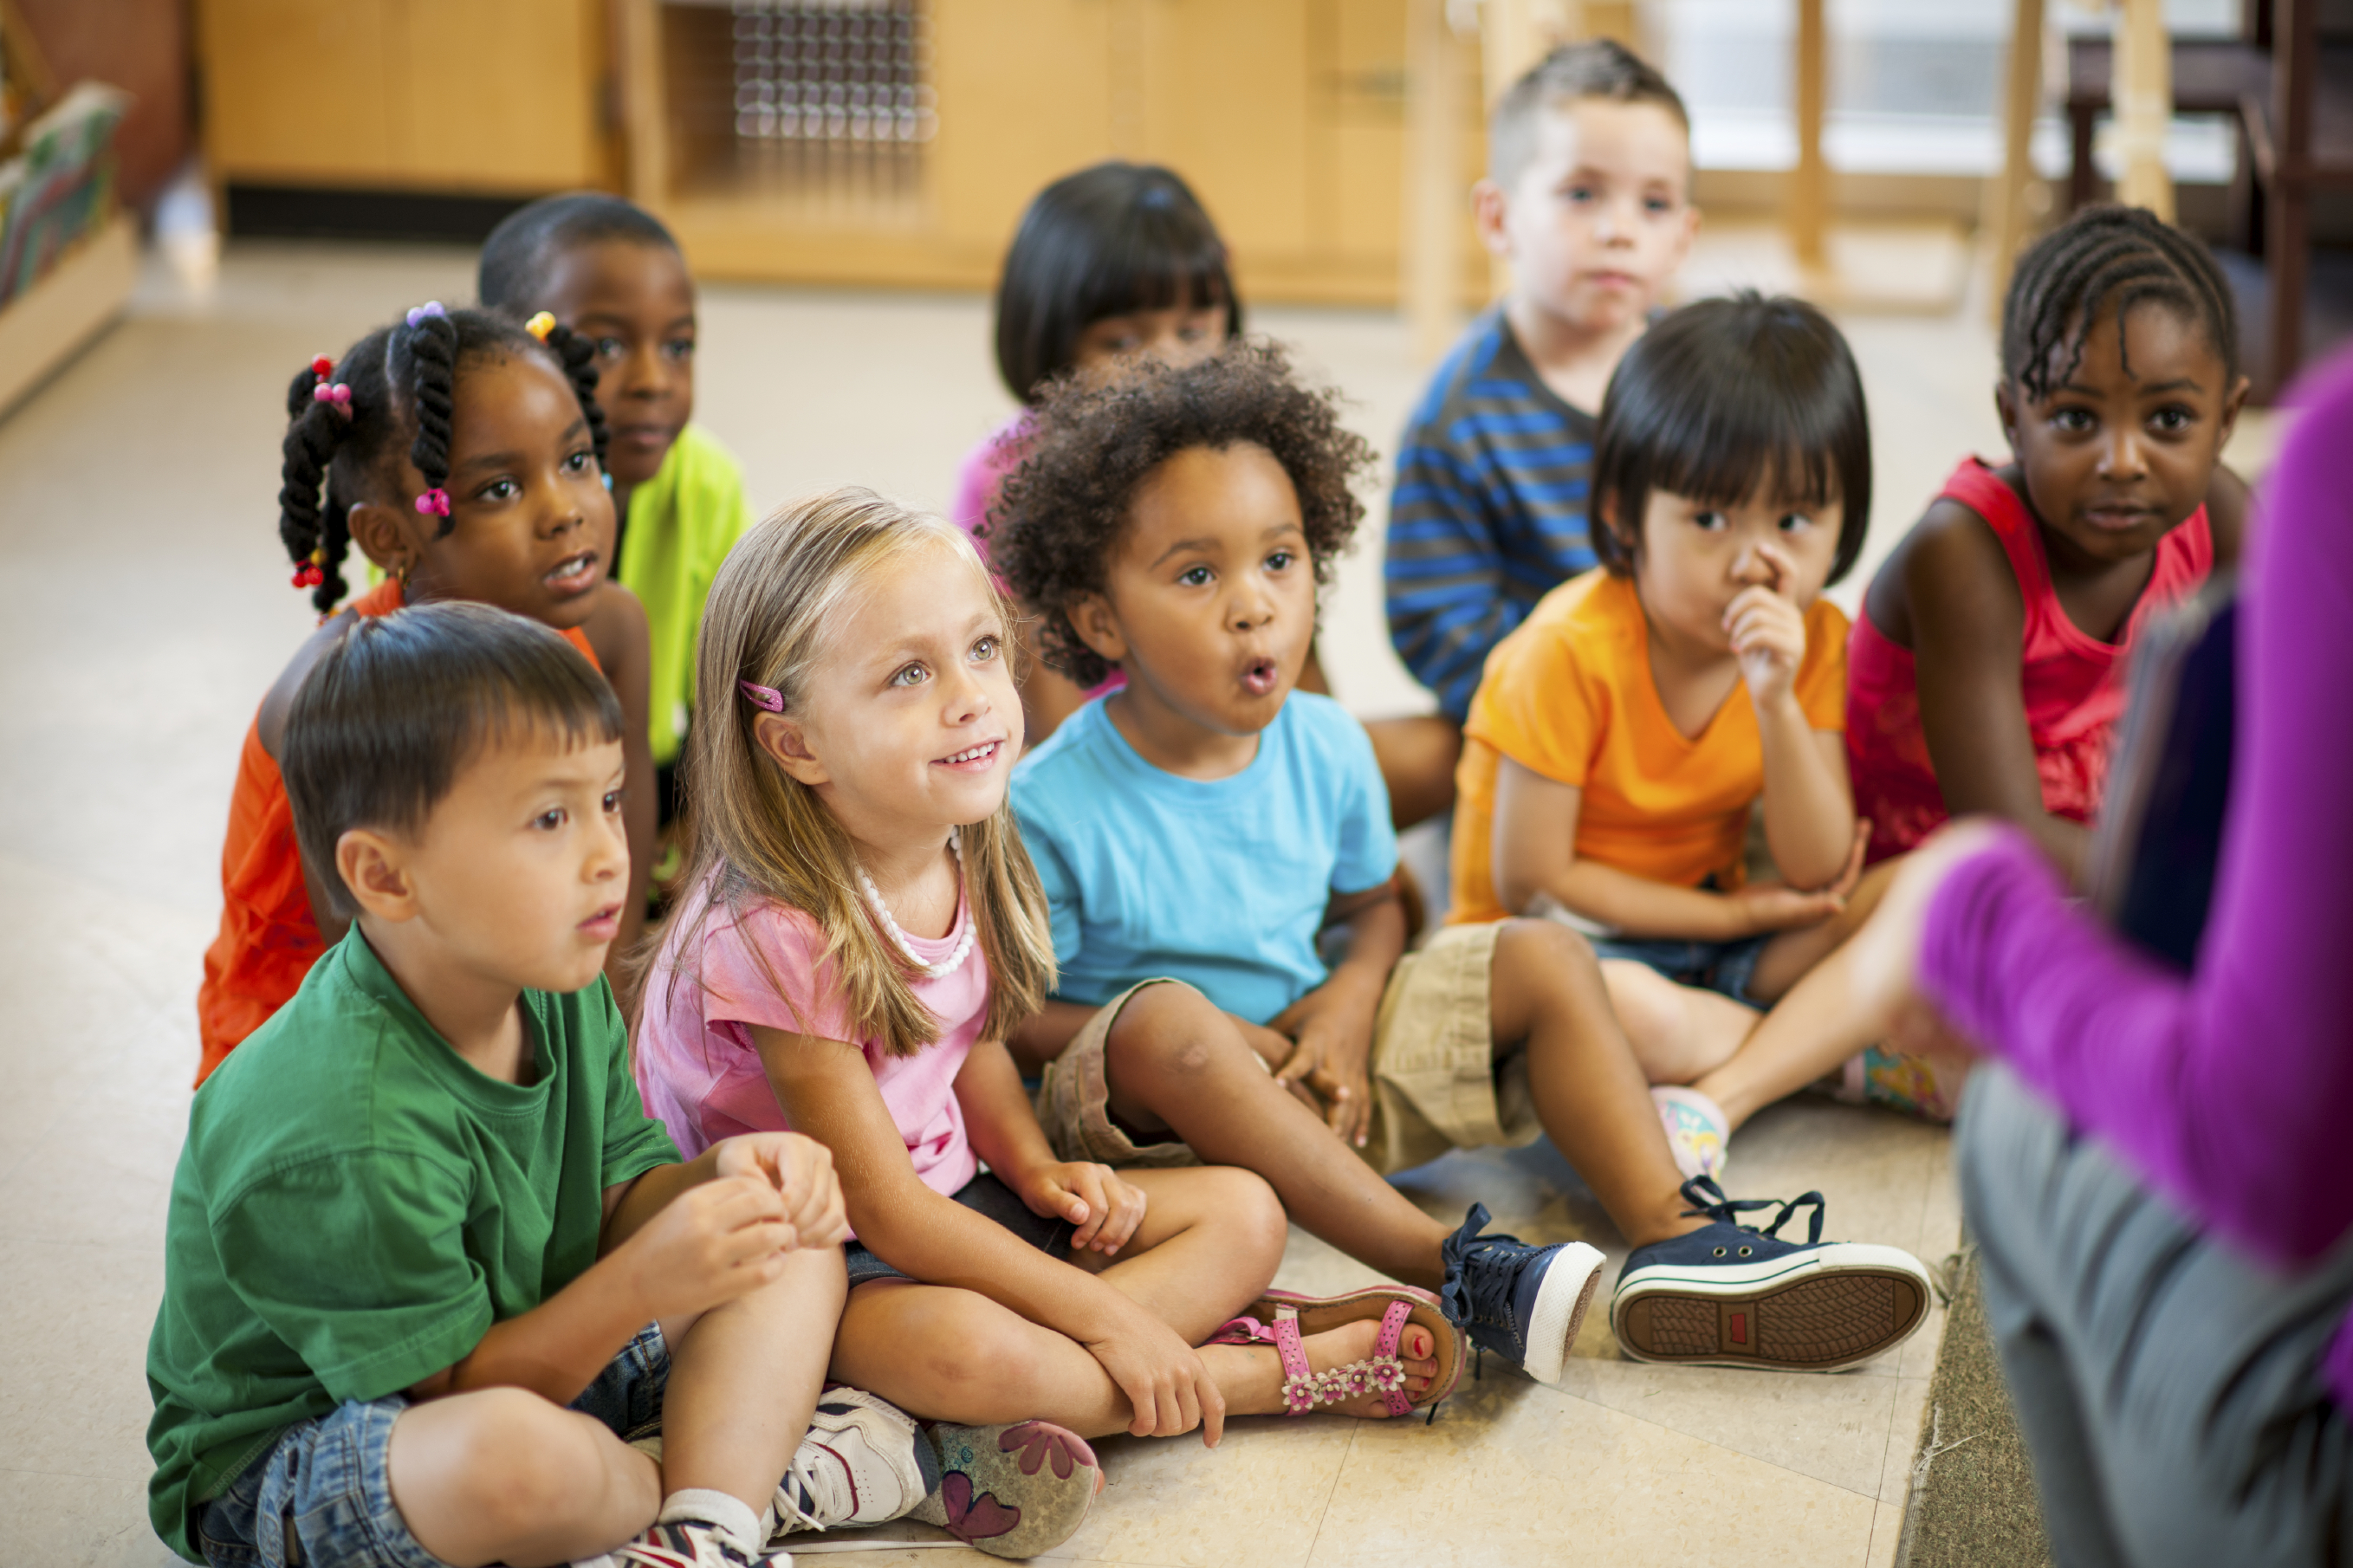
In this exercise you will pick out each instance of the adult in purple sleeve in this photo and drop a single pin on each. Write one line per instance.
(2153, 1165)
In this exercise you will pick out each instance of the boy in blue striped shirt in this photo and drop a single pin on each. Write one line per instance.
(1587, 196)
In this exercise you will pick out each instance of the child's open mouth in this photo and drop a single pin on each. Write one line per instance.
(973, 759)
(574, 574)
(604, 925)
(1260, 677)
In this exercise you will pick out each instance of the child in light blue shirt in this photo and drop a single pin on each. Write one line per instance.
(1202, 830)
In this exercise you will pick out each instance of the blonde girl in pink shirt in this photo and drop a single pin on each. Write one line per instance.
(862, 931)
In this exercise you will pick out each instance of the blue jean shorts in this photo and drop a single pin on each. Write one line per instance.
(1722, 967)
(991, 1199)
(322, 1494)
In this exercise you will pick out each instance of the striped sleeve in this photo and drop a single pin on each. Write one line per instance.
(1488, 513)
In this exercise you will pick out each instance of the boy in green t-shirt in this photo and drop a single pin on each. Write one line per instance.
(609, 270)
(428, 1262)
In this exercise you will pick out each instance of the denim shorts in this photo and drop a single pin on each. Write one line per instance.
(322, 1494)
(1722, 967)
(987, 1197)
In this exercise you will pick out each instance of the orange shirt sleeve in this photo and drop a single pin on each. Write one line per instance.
(1539, 710)
(1820, 685)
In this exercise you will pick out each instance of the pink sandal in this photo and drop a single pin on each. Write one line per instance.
(1383, 1373)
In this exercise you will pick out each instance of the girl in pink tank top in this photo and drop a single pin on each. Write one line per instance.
(1986, 673)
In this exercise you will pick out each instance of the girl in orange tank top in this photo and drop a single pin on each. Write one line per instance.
(463, 453)
(1986, 673)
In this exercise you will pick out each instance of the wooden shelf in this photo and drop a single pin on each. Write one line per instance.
(45, 326)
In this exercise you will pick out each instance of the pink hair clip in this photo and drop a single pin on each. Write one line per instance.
(433, 502)
(337, 394)
(766, 696)
(431, 308)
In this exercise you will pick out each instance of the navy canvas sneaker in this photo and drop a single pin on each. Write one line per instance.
(1525, 1303)
(1730, 1295)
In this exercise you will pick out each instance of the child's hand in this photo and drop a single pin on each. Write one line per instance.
(714, 1242)
(1162, 1378)
(1105, 1209)
(1332, 1031)
(801, 1170)
(1767, 632)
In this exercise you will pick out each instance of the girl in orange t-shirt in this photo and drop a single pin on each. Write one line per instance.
(1622, 736)
(464, 455)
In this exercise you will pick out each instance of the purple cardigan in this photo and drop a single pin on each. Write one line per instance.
(2229, 1089)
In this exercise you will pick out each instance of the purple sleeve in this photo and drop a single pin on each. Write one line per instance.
(2229, 1089)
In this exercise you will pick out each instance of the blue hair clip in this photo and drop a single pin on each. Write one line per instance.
(431, 308)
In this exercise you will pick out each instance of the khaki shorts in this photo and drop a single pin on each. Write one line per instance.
(1436, 1083)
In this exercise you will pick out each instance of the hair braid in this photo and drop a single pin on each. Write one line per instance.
(432, 350)
(577, 354)
(2107, 258)
(313, 526)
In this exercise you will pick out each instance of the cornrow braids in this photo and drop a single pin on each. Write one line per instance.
(2106, 258)
(426, 354)
(576, 352)
(323, 415)
(395, 386)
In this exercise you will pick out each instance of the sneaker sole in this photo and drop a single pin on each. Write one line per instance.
(1831, 1308)
(1567, 1291)
(1027, 1487)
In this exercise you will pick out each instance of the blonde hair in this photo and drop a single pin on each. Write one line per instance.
(758, 835)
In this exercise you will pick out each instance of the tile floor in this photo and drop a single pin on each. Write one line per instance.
(143, 610)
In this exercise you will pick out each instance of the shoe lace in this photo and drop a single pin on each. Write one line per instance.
(1479, 1294)
(1708, 1202)
(800, 1492)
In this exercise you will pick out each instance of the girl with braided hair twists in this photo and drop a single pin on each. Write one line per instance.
(463, 453)
(1984, 674)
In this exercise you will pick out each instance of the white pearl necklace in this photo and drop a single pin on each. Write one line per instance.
(953, 961)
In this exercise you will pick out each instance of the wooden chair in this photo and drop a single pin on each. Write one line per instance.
(2211, 75)
(2299, 132)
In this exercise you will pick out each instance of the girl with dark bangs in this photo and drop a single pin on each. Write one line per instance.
(1622, 736)
(1115, 264)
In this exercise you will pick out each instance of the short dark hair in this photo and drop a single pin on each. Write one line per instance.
(398, 704)
(1725, 394)
(2108, 257)
(1109, 239)
(1063, 512)
(521, 251)
(1596, 67)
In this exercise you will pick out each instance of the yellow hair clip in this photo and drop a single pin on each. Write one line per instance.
(538, 326)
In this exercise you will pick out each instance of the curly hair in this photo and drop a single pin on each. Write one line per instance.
(1065, 510)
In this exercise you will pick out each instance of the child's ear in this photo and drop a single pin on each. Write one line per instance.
(783, 740)
(376, 529)
(2005, 404)
(2233, 401)
(1490, 207)
(1091, 617)
(375, 875)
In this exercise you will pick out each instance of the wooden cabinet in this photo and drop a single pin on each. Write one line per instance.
(1286, 116)
(502, 96)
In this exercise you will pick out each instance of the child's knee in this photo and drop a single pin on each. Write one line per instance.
(1542, 949)
(1168, 1027)
(1248, 1214)
(515, 1460)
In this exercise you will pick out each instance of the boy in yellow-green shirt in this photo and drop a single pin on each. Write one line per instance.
(610, 271)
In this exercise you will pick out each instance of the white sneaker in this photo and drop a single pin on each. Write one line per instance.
(686, 1544)
(864, 1462)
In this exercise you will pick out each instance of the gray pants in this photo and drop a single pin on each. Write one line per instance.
(2168, 1387)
